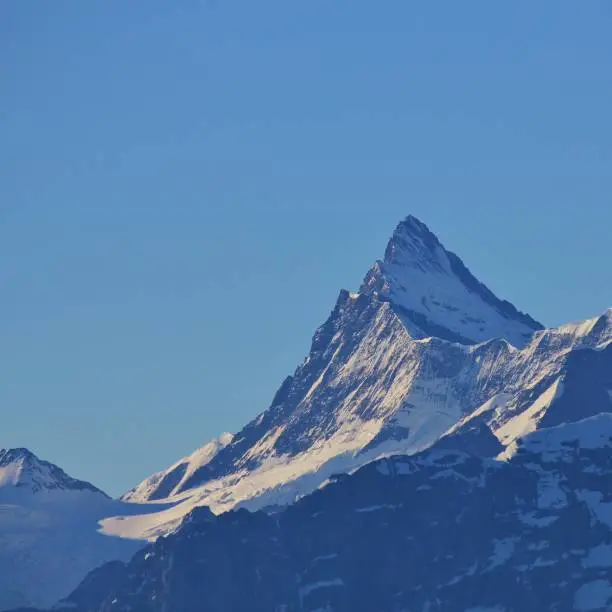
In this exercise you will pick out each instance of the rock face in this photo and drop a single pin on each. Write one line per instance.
(443, 530)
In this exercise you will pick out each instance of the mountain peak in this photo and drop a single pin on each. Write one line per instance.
(411, 224)
(414, 244)
(9, 455)
(21, 470)
(437, 295)
(19, 458)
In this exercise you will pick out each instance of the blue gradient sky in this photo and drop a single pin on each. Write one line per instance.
(185, 186)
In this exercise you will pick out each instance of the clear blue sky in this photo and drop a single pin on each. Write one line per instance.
(185, 187)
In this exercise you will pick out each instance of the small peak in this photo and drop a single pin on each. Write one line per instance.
(225, 438)
(13, 455)
(602, 329)
(199, 515)
(605, 319)
(411, 223)
(21, 469)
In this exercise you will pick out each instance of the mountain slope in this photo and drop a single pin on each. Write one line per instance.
(443, 530)
(376, 381)
(367, 358)
(164, 484)
(399, 396)
(49, 530)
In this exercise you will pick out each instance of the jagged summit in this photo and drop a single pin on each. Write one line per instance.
(413, 243)
(437, 295)
(15, 454)
(22, 471)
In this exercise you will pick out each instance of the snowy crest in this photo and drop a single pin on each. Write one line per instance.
(437, 295)
(22, 471)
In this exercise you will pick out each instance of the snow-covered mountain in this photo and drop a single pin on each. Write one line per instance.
(22, 473)
(168, 482)
(49, 530)
(443, 530)
(422, 359)
(421, 350)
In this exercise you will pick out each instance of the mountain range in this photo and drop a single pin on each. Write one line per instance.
(448, 412)
(443, 530)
